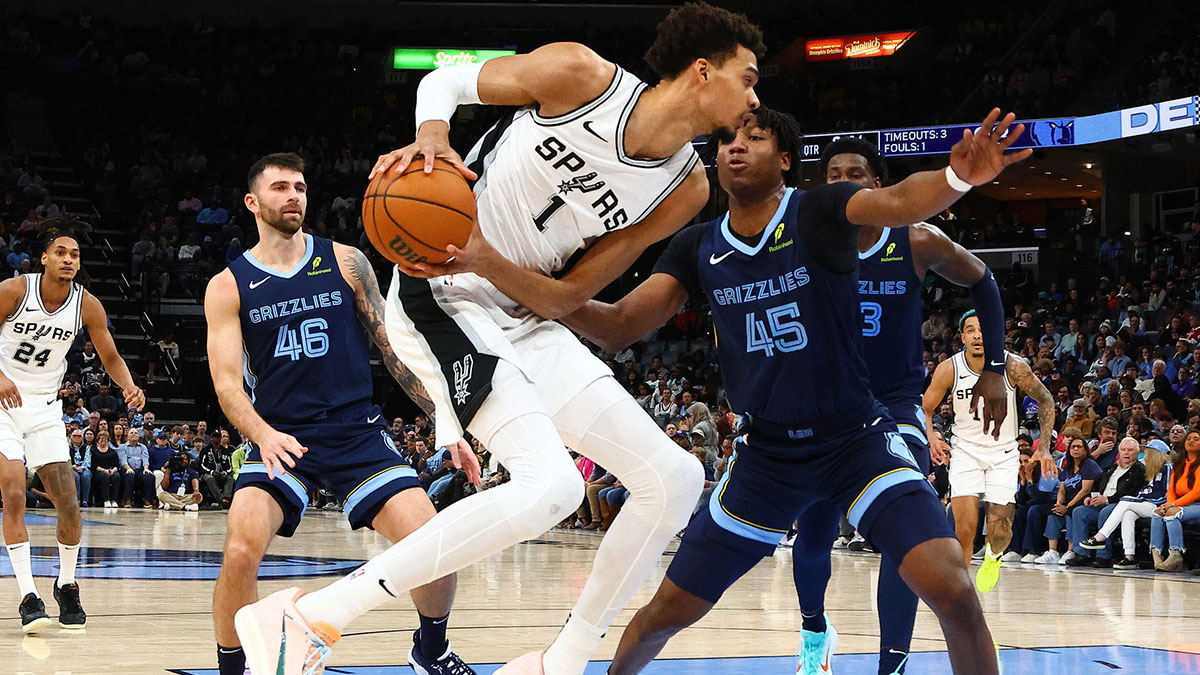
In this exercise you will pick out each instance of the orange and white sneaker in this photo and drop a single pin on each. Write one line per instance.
(278, 640)
(526, 664)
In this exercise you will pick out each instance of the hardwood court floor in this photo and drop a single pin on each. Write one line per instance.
(147, 580)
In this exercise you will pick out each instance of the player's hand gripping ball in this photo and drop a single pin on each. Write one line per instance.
(410, 218)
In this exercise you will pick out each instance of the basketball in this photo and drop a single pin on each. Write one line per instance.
(411, 217)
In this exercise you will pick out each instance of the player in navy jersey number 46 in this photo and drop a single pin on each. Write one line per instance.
(288, 330)
(779, 274)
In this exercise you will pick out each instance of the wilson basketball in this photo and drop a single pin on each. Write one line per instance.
(411, 217)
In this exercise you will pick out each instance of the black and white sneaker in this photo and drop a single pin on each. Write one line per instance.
(70, 610)
(33, 614)
(447, 664)
(1125, 564)
(1091, 544)
(857, 544)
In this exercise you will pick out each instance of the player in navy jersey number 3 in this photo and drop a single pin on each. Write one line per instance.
(779, 273)
(289, 360)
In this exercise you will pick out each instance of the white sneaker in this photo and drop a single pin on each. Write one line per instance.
(977, 555)
(1011, 557)
(164, 506)
(1029, 558)
(857, 543)
(191, 507)
(1066, 557)
(1047, 558)
(841, 542)
(787, 543)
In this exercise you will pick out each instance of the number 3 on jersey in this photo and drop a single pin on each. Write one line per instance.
(871, 313)
(311, 341)
(779, 331)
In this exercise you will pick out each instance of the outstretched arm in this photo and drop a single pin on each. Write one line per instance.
(616, 326)
(975, 160)
(1022, 376)
(368, 304)
(934, 250)
(96, 320)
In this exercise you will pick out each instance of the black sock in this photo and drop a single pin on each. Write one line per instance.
(231, 660)
(431, 639)
(890, 660)
(814, 623)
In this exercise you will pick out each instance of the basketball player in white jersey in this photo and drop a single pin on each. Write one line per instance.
(597, 161)
(44, 312)
(983, 466)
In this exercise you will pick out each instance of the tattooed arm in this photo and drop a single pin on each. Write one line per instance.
(1023, 378)
(368, 303)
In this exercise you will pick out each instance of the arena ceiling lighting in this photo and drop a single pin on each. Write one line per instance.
(410, 58)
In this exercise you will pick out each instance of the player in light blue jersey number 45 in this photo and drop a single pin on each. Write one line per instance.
(779, 271)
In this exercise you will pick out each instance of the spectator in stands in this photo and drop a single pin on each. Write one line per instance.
(109, 407)
(1103, 448)
(665, 408)
(180, 486)
(701, 422)
(1081, 417)
(1078, 473)
(165, 352)
(81, 462)
(213, 216)
(932, 327)
(1035, 498)
(71, 414)
(143, 253)
(1131, 509)
(190, 205)
(106, 471)
(216, 470)
(1180, 508)
(137, 476)
(1125, 478)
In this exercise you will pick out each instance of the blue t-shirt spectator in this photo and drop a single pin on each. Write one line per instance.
(1072, 481)
(14, 259)
(158, 456)
(182, 478)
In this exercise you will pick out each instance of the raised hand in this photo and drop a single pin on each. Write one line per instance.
(433, 141)
(980, 156)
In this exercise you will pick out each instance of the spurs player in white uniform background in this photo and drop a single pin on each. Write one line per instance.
(984, 466)
(597, 161)
(43, 314)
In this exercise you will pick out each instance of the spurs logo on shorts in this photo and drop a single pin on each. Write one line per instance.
(462, 376)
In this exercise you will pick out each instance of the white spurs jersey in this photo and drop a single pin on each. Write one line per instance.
(551, 186)
(968, 427)
(34, 342)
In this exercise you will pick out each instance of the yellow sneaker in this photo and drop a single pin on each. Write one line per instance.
(988, 575)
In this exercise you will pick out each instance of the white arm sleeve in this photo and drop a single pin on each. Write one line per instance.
(443, 90)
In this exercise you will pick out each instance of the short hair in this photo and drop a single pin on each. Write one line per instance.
(1025, 437)
(1109, 423)
(279, 160)
(852, 145)
(698, 30)
(962, 322)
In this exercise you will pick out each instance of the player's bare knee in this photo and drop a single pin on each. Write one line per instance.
(242, 553)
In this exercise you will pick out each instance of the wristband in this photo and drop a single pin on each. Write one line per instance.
(441, 92)
(957, 184)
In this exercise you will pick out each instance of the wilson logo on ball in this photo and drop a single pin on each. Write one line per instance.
(413, 216)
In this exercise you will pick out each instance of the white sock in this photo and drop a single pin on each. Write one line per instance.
(987, 552)
(545, 485)
(68, 556)
(606, 425)
(18, 555)
(575, 644)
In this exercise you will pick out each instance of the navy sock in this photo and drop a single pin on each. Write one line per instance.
(897, 613)
(890, 660)
(431, 639)
(814, 623)
(231, 660)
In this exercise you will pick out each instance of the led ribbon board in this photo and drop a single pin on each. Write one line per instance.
(855, 46)
(1180, 113)
(404, 58)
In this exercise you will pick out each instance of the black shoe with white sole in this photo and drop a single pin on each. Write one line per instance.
(33, 614)
(1125, 564)
(70, 610)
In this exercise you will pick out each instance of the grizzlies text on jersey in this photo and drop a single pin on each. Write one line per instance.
(782, 296)
(305, 351)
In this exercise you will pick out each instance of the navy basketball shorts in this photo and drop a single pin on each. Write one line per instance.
(910, 422)
(864, 472)
(353, 457)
